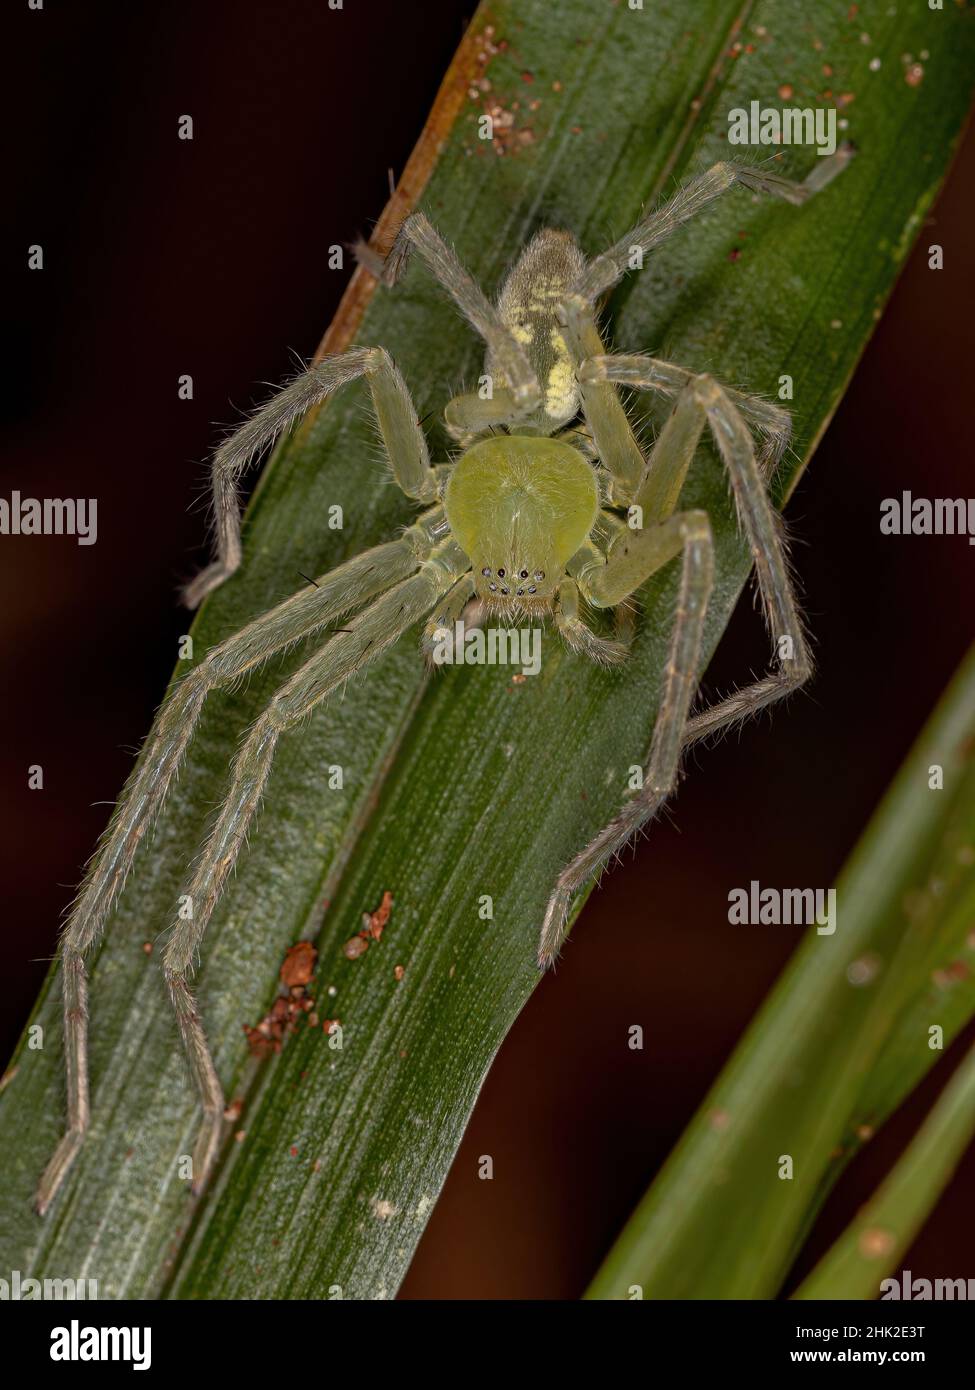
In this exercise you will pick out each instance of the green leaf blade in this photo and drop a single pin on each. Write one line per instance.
(718, 1222)
(465, 784)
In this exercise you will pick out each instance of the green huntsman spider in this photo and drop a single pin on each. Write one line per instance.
(530, 518)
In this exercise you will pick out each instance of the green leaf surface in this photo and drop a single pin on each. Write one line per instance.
(841, 1040)
(872, 1247)
(467, 783)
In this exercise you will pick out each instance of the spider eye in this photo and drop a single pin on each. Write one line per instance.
(539, 574)
(505, 591)
(500, 574)
(520, 592)
(485, 571)
(493, 588)
(532, 590)
(523, 575)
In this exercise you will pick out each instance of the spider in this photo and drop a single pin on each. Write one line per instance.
(539, 514)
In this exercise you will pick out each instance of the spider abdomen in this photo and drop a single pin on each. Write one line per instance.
(529, 305)
(521, 506)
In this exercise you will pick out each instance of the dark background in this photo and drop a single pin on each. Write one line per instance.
(165, 257)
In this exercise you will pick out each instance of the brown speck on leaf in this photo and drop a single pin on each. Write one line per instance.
(914, 74)
(734, 254)
(786, 91)
(398, 972)
(232, 1111)
(577, 130)
(295, 974)
(875, 1243)
(719, 1119)
(519, 678)
(316, 1167)
(147, 947)
(8, 1076)
(240, 1135)
(528, 77)
(294, 1150)
(355, 947)
(556, 86)
(299, 964)
(864, 1132)
(312, 1020)
(377, 920)
(331, 1024)
(258, 1043)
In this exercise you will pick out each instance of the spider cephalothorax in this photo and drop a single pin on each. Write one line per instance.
(520, 506)
(529, 517)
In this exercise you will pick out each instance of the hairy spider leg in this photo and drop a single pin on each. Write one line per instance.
(448, 611)
(576, 632)
(613, 438)
(606, 269)
(369, 634)
(772, 423)
(631, 561)
(398, 426)
(416, 233)
(336, 593)
(702, 401)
